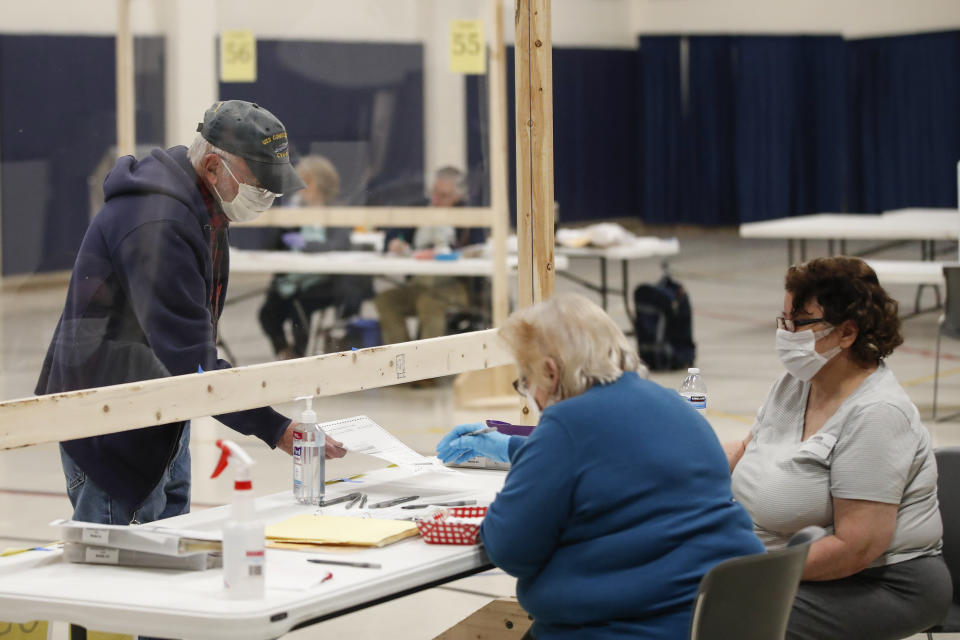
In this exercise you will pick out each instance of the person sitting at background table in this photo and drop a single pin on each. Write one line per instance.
(426, 297)
(839, 444)
(292, 298)
(619, 502)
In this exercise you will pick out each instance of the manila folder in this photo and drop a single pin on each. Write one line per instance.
(366, 532)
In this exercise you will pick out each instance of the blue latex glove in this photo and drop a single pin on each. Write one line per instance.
(456, 447)
(294, 240)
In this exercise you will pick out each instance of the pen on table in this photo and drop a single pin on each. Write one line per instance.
(345, 563)
(346, 498)
(363, 501)
(390, 503)
(327, 577)
(357, 499)
(481, 431)
(455, 503)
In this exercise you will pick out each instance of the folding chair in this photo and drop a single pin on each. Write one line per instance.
(948, 493)
(949, 322)
(749, 598)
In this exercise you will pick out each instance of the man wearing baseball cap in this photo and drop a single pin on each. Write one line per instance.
(145, 299)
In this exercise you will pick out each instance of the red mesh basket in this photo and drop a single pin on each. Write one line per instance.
(436, 529)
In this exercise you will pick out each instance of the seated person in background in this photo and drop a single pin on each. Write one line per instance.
(427, 297)
(619, 502)
(294, 297)
(839, 444)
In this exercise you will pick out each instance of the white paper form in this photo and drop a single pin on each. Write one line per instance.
(360, 434)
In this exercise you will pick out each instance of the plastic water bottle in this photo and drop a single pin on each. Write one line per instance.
(694, 390)
(309, 455)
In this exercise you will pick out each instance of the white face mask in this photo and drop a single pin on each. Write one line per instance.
(798, 352)
(249, 203)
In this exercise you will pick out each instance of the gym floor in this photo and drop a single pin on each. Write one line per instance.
(735, 287)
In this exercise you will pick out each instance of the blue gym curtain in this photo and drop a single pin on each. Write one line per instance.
(905, 121)
(595, 101)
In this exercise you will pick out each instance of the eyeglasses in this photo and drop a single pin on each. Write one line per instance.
(793, 325)
(520, 386)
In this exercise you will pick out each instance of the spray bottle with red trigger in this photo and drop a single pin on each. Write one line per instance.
(243, 534)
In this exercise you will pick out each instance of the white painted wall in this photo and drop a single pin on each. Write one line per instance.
(852, 18)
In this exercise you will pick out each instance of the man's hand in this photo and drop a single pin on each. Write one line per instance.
(333, 448)
(398, 246)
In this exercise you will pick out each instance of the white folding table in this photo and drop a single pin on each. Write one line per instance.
(914, 224)
(640, 248)
(38, 585)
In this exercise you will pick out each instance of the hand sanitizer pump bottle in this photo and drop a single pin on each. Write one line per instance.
(309, 454)
(243, 534)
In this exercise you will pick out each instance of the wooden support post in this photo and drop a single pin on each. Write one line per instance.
(499, 200)
(126, 120)
(534, 102)
(372, 217)
(502, 619)
(91, 412)
(491, 387)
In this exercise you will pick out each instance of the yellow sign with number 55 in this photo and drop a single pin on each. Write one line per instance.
(468, 52)
(238, 56)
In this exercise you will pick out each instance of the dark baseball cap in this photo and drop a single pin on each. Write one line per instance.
(248, 130)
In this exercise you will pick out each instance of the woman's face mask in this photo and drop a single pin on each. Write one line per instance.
(798, 352)
(249, 203)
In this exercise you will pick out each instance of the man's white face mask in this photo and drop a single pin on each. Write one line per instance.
(798, 352)
(249, 203)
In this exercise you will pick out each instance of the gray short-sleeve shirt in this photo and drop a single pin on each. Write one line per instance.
(873, 448)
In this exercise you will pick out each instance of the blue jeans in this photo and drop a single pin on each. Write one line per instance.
(171, 496)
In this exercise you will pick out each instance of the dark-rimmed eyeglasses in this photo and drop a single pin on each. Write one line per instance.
(520, 386)
(793, 325)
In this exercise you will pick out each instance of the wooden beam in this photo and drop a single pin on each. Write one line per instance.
(91, 412)
(502, 619)
(373, 217)
(126, 117)
(500, 204)
(534, 109)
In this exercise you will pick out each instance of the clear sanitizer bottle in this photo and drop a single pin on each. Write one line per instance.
(695, 390)
(243, 534)
(309, 454)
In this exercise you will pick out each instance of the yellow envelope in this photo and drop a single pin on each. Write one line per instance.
(365, 532)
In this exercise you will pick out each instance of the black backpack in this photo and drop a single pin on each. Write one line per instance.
(664, 325)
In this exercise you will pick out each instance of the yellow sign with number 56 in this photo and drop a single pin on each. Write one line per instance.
(468, 52)
(238, 56)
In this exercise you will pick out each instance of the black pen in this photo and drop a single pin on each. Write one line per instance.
(346, 563)
(455, 503)
(390, 503)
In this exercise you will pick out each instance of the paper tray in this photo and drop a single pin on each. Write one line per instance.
(436, 529)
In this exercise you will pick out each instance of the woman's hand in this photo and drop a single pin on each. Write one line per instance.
(735, 450)
(862, 531)
(457, 447)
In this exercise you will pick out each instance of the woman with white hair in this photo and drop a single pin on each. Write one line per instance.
(619, 502)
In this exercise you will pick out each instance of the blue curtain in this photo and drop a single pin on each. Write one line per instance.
(660, 133)
(708, 191)
(790, 126)
(595, 133)
(58, 102)
(905, 121)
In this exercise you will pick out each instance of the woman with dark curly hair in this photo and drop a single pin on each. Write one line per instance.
(839, 444)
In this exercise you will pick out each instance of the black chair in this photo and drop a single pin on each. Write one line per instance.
(948, 493)
(749, 598)
(949, 322)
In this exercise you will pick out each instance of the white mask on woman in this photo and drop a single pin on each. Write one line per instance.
(249, 203)
(798, 352)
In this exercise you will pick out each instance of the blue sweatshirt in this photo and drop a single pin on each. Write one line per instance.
(613, 510)
(140, 305)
